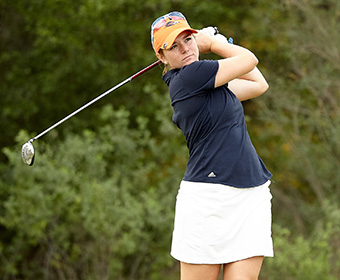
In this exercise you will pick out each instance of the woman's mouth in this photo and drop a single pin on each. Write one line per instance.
(187, 57)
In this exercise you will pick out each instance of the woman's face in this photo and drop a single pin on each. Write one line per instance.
(183, 51)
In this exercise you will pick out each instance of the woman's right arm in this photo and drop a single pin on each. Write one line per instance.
(237, 61)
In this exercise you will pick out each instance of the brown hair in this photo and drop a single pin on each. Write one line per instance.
(165, 70)
(166, 66)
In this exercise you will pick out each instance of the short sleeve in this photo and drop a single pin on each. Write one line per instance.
(200, 76)
(195, 78)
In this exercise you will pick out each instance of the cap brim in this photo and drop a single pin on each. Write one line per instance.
(172, 37)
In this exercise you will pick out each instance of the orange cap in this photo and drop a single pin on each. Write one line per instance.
(165, 30)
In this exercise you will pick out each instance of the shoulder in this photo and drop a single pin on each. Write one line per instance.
(201, 66)
(196, 72)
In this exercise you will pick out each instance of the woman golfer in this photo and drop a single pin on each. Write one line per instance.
(223, 208)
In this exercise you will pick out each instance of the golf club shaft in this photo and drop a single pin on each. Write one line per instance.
(97, 98)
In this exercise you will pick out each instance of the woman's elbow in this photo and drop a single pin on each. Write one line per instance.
(254, 60)
(264, 87)
(250, 61)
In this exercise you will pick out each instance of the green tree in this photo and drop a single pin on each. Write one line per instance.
(299, 119)
(301, 112)
(106, 210)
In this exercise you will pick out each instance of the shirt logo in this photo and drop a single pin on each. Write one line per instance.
(212, 175)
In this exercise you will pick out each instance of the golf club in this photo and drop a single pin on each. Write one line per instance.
(27, 150)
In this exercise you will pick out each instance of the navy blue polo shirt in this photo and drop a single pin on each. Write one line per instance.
(212, 121)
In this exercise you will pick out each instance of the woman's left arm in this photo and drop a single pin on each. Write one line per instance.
(249, 86)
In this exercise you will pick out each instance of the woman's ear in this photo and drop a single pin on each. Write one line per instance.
(161, 57)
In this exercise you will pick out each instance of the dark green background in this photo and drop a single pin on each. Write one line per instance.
(99, 201)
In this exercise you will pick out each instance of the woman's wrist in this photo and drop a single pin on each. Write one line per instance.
(204, 42)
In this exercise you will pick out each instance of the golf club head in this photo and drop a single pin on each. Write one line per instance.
(27, 153)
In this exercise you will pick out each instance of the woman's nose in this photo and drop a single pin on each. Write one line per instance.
(184, 48)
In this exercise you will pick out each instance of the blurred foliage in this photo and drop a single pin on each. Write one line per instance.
(298, 258)
(99, 201)
(104, 212)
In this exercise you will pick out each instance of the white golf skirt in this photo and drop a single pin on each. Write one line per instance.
(217, 224)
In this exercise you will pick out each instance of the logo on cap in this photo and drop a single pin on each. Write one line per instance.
(171, 23)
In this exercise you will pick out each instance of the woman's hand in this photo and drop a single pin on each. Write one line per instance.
(204, 42)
